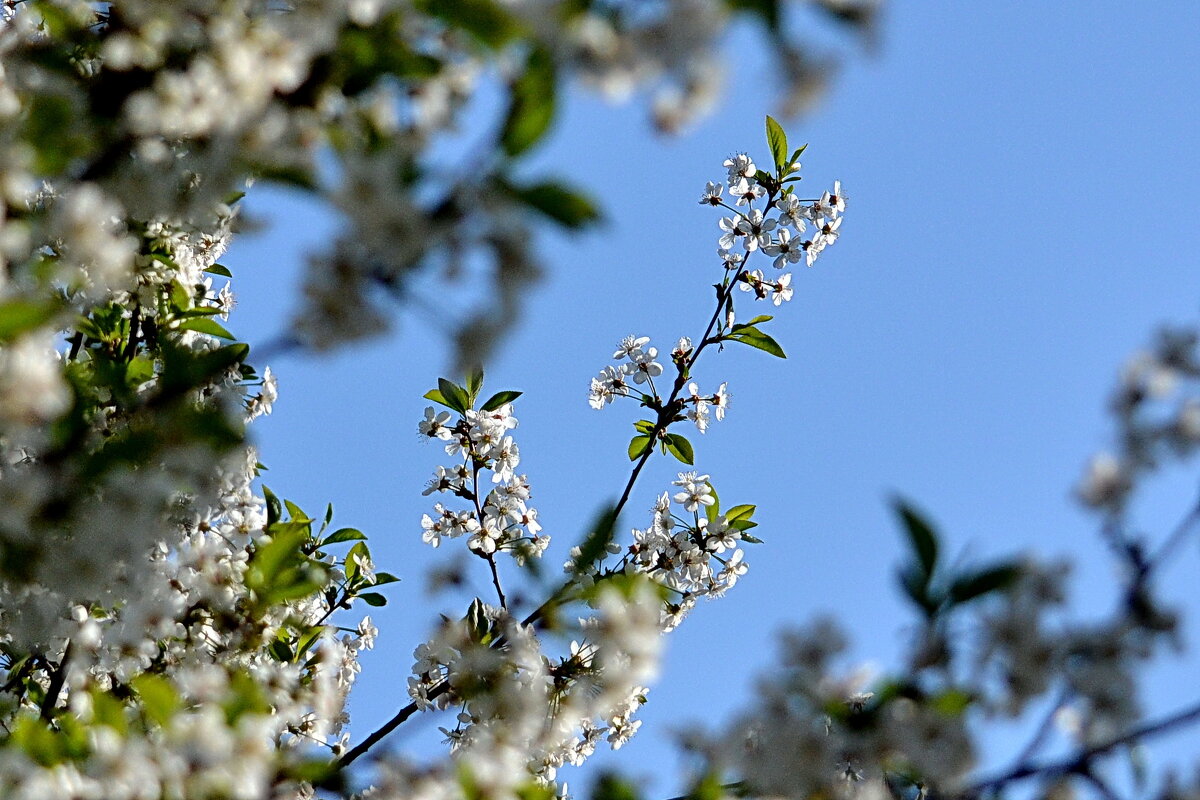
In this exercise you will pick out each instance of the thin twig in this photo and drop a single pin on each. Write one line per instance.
(1079, 761)
(57, 678)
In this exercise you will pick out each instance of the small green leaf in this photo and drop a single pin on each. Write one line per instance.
(159, 700)
(951, 702)
(373, 599)
(453, 396)
(612, 787)
(751, 539)
(474, 384)
(296, 512)
(796, 157)
(750, 324)
(564, 204)
(643, 426)
(499, 399)
(477, 620)
(638, 445)
(344, 535)
(486, 20)
(756, 338)
(921, 537)
(984, 581)
(595, 544)
(384, 578)
(436, 396)
(274, 507)
(206, 326)
(19, 316)
(680, 447)
(220, 269)
(532, 103)
(738, 513)
(777, 140)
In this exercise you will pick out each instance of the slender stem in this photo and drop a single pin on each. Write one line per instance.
(135, 333)
(1043, 731)
(395, 722)
(57, 678)
(491, 560)
(1078, 762)
(490, 557)
(1173, 541)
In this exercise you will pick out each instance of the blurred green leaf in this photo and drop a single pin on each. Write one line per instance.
(563, 204)
(921, 537)
(19, 316)
(595, 544)
(532, 104)
(984, 581)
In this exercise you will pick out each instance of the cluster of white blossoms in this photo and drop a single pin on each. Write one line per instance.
(689, 548)
(500, 518)
(1157, 409)
(522, 713)
(783, 237)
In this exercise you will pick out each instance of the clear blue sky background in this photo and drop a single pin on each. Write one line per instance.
(1023, 206)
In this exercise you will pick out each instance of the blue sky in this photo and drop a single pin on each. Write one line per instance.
(1022, 216)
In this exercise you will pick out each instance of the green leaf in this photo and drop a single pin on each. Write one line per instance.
(499, 399)
(595, 544)
(983, 581)
(352, 566)
(308, 639)
(915, 586)
(373, 599)
(436, 396)
(159, 700)
(751, 539)
(777, 140)
(297, 513)
(563, 204)
(453, 396)
(274, 507)
(951, 702)
(19, 316)
(739, 513)
(611, 787)
(756, 321)
(756, 338)
(344, 535)
(638, 445)
(791, 163)
(477, 620)
(921, 537)
(531, 108)
(220, 269)
(643, 426)
(680, 447)
(474, 384)
(486, 20)
(384, 578)
(205, 325)
(108, 710)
